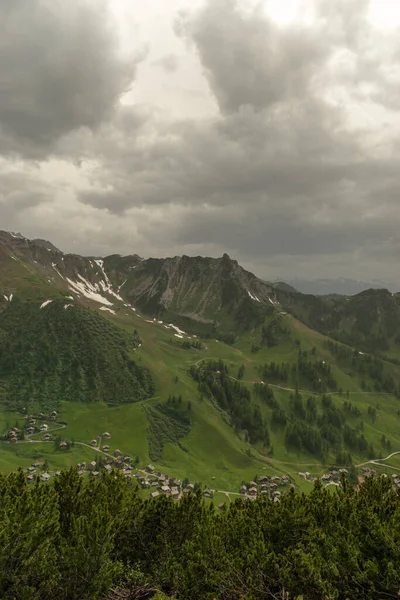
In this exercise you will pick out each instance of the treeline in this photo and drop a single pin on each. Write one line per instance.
(86, 540)
(71, 354)
(317, 374)
(233, 397)
(367, 366)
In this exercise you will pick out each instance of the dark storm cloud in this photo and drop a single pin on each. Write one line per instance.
(60, 69)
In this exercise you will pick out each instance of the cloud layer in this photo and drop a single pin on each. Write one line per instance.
(292, 167)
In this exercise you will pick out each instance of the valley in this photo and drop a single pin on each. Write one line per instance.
(87, 338)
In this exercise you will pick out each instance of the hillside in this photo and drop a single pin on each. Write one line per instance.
(58, 351)
(302, 401)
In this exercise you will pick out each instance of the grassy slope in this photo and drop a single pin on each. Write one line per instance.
(214, 451)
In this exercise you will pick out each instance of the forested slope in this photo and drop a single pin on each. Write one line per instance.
(60, 351)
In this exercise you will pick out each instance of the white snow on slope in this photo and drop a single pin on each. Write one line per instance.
(67, 306)
(178, 335)
(271, 301)
(177, 329)
(88, 290)
(10, 298)
(57, 271)
(122, 285)
(253, 297)
(46, 303)
(69, 297)
(107, 309)
(106, 284)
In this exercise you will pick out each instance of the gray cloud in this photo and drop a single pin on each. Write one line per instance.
(282, 176)
(170, 63)
(60, 69)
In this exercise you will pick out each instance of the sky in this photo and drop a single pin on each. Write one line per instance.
(264, 129)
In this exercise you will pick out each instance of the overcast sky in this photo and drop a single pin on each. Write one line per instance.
(266, 129)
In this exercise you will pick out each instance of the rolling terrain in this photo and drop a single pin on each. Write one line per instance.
(192, 364)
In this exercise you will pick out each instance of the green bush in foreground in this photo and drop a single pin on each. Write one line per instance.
(93, 539)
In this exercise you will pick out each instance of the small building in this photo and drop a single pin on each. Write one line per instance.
(243, 489)
(32, 422)
(47, 437)
(92, 465)
(108, 468)
(106, 448)
(54, 413)
(166, 489)
(13, 440)
(263, 479)
(31, 469)
(83, 465)
(252, 484)
(106, 435)
(45, 477)
(221, 506)
(30, 478)
(30, 430)
(93, 443)
(63, 446)
(127, 459)
(190, 487)
(117, 452)
(57, 473)
(253, 491)
(95, 474)
(150, 469)
(154, 494)
(208, 493)
(175, 493)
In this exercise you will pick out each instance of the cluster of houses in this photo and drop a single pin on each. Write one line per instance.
(32, 474)
(265, 486)
(163, 484)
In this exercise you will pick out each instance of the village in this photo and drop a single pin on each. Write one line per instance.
(153, 482)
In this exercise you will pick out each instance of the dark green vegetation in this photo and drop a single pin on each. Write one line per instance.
(65, 352)
(168, 423)
(79, 540)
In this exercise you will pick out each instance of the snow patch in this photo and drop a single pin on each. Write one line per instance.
(178, 335)
(122, 285)
(147, 321)
(57, 271)
(88, 290)
(13, 257)
(177, 329)
(253, 297)
(107, 309)
(106, 284)
(271, 301)
(67, 306)
(69, 297)
(46, 303)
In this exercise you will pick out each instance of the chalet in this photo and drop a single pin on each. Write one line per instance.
(154, 483)
(286, 478)
(166, 489)
(32, 422)
(93, 443)
(95, 474)
(243, 489)
(117, 452)
(45, 477)
(30, 478)
(13, 440)
(83, 465)
(253, 491)
(63, 445)
(221, 506)
(92, 465)
(15, 429)
(54, 414)
(31, 469)
(106, 435)
(127, 459)
(264, 492)
(40, 416)
(190, 487)
(277, 499)
(106, 448)
(108, 468)
(252, 484)
(127, 473)
(149, 468)
(263, 479)
(175, 493)
(30, 430)
(154, 494)
(47, 437)
(36, 465)
(208, 493)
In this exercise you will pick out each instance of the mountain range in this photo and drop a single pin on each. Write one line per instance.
(196, 363)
